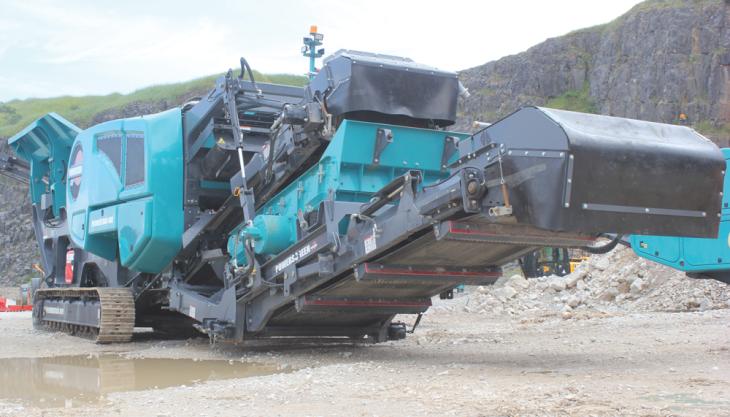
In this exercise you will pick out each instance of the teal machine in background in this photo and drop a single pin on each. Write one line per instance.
(701, 258)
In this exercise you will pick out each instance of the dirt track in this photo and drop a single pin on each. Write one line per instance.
(456, 364)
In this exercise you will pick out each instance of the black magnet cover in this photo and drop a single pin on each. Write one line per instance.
(352, 81)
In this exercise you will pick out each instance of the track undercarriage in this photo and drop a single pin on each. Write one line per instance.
(105, 315)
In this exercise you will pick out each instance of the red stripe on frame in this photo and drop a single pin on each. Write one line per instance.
(460, 231)
(367, 303)
(416, 272)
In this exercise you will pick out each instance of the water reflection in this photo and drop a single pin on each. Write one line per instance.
(65, 381)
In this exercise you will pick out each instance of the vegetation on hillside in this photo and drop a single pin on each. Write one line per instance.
(719, 132)
(575, 100)
(16, 114)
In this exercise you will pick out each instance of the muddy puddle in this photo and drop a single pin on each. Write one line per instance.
(67, 381)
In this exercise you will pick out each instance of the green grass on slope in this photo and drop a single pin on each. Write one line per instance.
(575, 100)
(654, 5)
(649, 6)
(718, 132)
(16, 114)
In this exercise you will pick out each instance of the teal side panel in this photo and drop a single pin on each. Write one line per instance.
(346, 167)
(410, 149)
(46, 145)
(692, 254)
(129, 201)
(704, 254)
(135, 231)
(662, 249)
(99, 185)
(164, 184)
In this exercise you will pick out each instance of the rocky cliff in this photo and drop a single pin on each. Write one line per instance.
(662, 59)
(18, 250)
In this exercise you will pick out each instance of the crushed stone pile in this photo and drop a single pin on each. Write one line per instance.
(611, 283)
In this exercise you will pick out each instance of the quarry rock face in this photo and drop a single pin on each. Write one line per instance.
(18, 250)
(658, 61)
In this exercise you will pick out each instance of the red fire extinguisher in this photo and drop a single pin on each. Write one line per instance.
(69, 273)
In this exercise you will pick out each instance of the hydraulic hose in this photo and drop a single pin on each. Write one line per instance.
(608, 247)
(244, 68)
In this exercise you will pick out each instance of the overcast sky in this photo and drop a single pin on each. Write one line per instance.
(71, 47)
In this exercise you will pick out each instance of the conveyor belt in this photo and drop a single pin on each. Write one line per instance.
(403, 280)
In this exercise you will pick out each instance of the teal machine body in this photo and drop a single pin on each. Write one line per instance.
(701, 256)
(262, 210)
(119, 184)
(348, 171)
(131, 203)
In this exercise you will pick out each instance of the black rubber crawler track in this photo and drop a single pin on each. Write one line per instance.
(116, 319)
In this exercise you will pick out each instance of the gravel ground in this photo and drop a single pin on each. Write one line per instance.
(457, 363)
(619, 336)
(614, 283)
